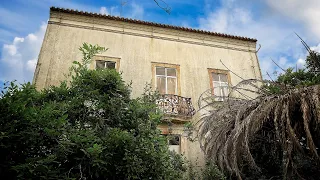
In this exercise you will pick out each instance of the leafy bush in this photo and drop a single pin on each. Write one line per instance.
(211, 171)
(88, 128)
(208, 172)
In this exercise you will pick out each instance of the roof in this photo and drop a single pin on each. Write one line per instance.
(117, 18)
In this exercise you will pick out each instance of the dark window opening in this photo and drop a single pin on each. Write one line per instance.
(174, 140)
(105, 64)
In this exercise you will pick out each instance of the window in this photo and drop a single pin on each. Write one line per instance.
(105, 62)
(174, 142)
(219, 80)
(166, 78)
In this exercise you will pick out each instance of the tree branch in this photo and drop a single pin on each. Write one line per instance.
(166, 8)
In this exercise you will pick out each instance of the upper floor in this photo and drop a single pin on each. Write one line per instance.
(181, 63)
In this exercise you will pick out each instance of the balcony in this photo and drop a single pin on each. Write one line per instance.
(176, 106)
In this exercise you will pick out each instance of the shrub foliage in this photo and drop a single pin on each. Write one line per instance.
(88, 128)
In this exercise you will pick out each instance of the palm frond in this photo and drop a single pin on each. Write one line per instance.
(287, 123)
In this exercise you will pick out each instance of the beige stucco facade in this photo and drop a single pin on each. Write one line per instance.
(137, 47)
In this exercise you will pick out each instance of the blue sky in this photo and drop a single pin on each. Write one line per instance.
(272, 22)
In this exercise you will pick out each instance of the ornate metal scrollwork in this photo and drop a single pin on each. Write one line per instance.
(176, 105)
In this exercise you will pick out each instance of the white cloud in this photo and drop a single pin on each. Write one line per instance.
(282, 61)
(114, 10)
(32, 37)
(104, 10)
(137, 11)
(31, 65)
(132, 10)
(267, 66)
(18, 59)
(19, 56)
(216, 21)
(316, 48)
(301, 63)
(185, 23)
(276, 35)
(305, 12)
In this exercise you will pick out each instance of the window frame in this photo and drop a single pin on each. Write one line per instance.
(166, 77)
(218, 71)
(172, 131)
(105, 58)
(173, 136)
(166, 65)
(166, 135)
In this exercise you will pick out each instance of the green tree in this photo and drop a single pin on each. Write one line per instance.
(290, 79)
(88, 128)
(313, 61)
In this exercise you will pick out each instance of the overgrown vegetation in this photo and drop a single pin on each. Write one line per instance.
(211, 171)
(290, 79)
(207, 172)
(88, 128)
(272, 136)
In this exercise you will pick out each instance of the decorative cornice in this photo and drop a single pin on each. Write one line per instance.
(152, 36)
(115, 18)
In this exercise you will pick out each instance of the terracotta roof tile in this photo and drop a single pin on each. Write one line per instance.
(71, 11)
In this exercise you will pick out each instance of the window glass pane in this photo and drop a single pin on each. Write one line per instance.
(216, 89)
(175, 148)
(100, 64)
(223, 78)
(105, 64)
(171, 86)
(224, 84)
(160, 71)
(171, 72)
(216, 85)
(216, 92)
(111, 64)
(161, 85)
(225, 91)
(215, 77)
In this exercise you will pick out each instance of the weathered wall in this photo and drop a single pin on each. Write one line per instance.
(138, 46)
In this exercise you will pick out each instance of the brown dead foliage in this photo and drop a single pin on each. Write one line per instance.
(270, 136)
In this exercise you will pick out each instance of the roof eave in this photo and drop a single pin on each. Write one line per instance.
(116, 18)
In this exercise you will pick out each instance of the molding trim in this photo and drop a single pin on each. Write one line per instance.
(55, 10)
(245, 49)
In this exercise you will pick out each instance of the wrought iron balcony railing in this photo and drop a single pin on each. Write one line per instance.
(176, 105)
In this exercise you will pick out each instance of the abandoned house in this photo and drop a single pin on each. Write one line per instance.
(180, 62)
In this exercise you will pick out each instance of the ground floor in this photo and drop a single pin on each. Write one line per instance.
(184, 142)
